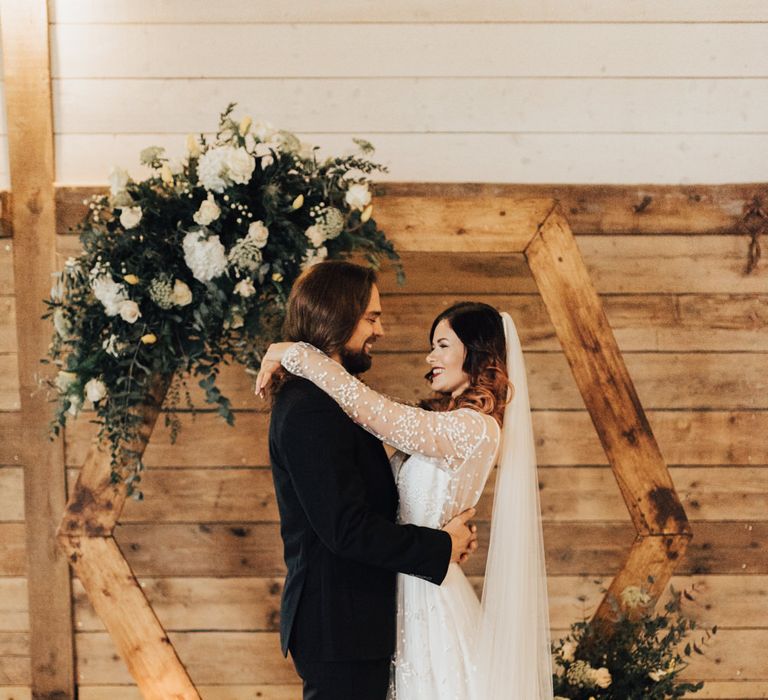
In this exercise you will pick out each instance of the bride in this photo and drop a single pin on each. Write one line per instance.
(450, 646)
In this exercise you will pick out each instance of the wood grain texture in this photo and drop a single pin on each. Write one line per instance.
(563, 438)
(26, 74)
(253, 603)
(591, 209)
(603, 380)
(133, 627)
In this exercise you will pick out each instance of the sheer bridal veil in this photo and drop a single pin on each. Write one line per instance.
(514, 656)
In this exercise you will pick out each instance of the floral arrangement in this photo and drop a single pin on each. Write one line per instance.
(638, 657)
(190, 268)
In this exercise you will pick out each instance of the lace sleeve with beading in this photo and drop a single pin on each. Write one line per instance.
(451, 436)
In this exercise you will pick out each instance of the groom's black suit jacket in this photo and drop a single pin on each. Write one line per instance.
(338, 501)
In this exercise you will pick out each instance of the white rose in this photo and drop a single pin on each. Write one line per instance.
(209, 211)
(130, 216)
(206, 257)
(259, 233)
(245, 288)
(264, 151)
(129, 311)
(118, 179)
(95, 390)
(110, 293)
(358, 197)
(61, 324)
(240, 165)
(316, 236)
(182, 294)
(65, 380)
(568, 651)
(601, 677)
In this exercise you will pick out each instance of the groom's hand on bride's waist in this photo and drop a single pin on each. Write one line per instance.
(463, 535)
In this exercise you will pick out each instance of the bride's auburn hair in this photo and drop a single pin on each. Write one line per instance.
(481, 330)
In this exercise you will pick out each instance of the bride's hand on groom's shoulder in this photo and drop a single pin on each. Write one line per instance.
(463, 535)
(269, 365)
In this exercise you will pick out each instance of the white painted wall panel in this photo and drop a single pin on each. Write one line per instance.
(203, 11)
(527, 91)
(524, 158)
(431, 50)
(416, 105)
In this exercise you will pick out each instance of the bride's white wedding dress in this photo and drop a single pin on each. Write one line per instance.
(441, 466)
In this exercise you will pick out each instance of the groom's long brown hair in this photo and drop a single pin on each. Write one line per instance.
(325, 305)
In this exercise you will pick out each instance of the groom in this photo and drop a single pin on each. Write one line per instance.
(338, 502)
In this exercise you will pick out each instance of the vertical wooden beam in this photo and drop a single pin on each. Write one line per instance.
(26, 67)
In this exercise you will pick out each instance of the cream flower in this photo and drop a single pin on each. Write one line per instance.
(193, 146)
(206, 257)
(95, 390)
(568, 651)
(245, 288)
(109, 293)
(112, 346)
(130, 217)
(633, 596)
(259, 233)
(209, 211)
(313, 257)
(264, 152)
(129, 311)
(166, 174)
(601, 677)
(358, 197)
(316, 235)
(240, 165)
(181, 294)
(245, 124)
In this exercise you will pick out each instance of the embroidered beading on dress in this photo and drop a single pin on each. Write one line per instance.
(449, 456)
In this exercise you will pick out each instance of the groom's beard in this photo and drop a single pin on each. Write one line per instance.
(355, 361)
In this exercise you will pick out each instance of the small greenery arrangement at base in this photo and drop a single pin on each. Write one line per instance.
(639, 656)
(190, 268)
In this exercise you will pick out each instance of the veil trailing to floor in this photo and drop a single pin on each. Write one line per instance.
(514, 648)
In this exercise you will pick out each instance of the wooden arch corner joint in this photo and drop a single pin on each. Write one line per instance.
(576, 312)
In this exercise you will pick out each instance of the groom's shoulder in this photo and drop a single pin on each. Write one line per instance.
(298, 395)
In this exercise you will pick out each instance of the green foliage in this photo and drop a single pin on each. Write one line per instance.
(637, 655)
(190, 269)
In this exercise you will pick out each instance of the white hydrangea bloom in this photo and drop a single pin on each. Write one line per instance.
(331, 222)
(110, 293)
(210, 169)
(206, 257)
(240, 165)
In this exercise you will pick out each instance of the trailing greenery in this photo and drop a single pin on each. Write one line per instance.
(637, 655)
(190, 268)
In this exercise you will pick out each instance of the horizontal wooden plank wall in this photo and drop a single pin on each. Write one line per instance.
(648, 91)
(694, 332)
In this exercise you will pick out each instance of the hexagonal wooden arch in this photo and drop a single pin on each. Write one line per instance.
(534, 227)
